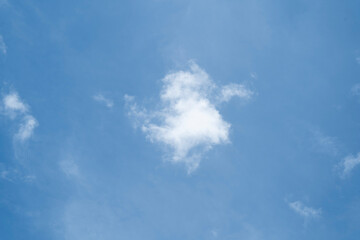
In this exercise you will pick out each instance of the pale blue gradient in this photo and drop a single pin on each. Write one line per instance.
(86, 173)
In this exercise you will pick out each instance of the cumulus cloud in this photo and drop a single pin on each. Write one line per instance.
(304, 211)
(189, 122)
(348, 164)
(12, 107)
(101, 99)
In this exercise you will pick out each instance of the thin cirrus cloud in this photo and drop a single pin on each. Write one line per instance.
(101, 99)
(188, 123)
(304, 211)
(13, 107)
(347, 165)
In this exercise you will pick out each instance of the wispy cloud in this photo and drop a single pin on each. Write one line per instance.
(3, 48)
(234, 90)
(324, 144)
(253, 75)
(348, 164)
(69, 168)
(12, 107)
(101, 99)
(358, 60)
(140, 116)
(304, 211)
(26, 128)
(188, 122)
(14, 175)
(355, 90)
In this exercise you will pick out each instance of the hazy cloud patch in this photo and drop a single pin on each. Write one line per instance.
(4, 3)
(355, 90)
(324, 144)
(69, 168)
(253, 75)
(15, 175)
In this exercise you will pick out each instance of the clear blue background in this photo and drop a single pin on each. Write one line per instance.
(61, 53)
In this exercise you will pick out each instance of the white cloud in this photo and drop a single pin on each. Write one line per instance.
(188, 123)
(3, 47)
(27, 128)
(12, 107)
(101, 99)
(348, 164)
(304, 211)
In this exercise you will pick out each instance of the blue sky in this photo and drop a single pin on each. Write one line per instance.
(179, 119)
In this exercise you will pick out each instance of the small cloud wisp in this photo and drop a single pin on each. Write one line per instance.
(347, 165)
(101, 99)
(304, 211)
